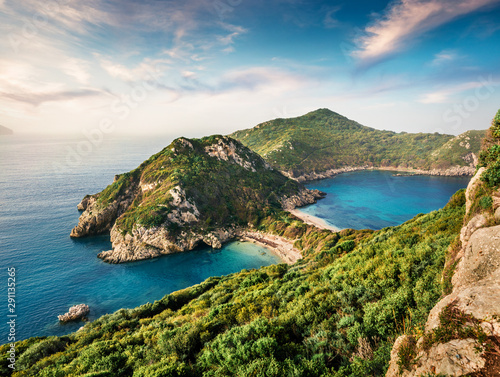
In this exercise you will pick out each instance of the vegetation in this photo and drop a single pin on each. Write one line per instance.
(334, 313)
(490, 155)
(322, 140)
(225, 192)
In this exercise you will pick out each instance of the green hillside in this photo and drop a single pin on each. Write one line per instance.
(336, 313)
(323, 140)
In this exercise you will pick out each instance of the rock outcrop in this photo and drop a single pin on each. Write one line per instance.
(303, 198)
(75, 313)
(476, 294)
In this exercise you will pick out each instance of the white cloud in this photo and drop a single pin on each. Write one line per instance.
(446, 94)
(147, 68)
(444, 57)
(406, 20)
(78, 69)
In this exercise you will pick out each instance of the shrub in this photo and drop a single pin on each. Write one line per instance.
(40, 350)
(486, 202)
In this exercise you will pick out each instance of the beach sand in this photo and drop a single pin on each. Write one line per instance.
(278, 245)
(313, 220)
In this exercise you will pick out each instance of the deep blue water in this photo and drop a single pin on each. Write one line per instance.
(376, 199)
(37, 211)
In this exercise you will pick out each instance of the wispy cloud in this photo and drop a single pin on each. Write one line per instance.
(445, 56)
(445, 95)
(406, 20)
(330, 21)
(36, 99)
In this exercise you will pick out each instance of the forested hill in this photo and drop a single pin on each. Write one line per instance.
(323, 140)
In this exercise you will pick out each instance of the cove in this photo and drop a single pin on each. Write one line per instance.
(375, 199)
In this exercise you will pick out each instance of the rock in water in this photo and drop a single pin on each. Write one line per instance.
(75, 313)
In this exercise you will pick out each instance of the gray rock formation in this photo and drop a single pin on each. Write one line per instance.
(75, 313)
(476, 292)
(304, 198)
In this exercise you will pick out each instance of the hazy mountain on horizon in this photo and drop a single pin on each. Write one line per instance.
(5, 131)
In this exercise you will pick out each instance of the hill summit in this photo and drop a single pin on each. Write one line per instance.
(194, 191)
(323, 140)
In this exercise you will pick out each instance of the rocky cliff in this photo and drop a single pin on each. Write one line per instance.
(462, 333)
(193, 192)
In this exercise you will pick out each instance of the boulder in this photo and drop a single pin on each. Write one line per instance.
(75, 313)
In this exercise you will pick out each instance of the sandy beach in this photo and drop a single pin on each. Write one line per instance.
(313, 220)
(278, 245)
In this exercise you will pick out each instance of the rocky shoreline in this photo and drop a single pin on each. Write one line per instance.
(454, 171)
(279, 245)
(146, 243)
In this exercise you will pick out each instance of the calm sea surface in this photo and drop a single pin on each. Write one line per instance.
(41, 181)
(376, 199)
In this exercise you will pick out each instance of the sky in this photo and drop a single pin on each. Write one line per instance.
(200, 67)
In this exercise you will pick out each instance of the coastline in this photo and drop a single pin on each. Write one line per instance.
(280, 246)
(314, 220)
(454, 171)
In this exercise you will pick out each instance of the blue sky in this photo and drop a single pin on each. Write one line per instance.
(196, 67)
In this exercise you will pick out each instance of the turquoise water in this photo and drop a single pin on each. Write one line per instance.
(37, 211)
(376, 199)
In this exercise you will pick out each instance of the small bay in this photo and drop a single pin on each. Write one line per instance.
(374, 199)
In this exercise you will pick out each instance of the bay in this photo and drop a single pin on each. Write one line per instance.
(375, 199)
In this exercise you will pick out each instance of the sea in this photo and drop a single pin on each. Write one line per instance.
(43, 178)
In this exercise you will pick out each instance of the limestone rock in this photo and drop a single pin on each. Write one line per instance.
(481, 257)
(304, 198)
(457, 357)
(471, 189)
(75, 313)
(99, 219)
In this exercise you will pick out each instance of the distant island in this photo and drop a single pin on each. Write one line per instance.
(5, 131)
(323, 143)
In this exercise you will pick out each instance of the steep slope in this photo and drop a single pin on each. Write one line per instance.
(193, 191)
(323, 141)
(335, 313)
(462, 334)
(5, 131)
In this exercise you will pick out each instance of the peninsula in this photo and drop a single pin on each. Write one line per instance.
(208, 191)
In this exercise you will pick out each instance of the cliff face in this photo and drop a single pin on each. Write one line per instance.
(192, 192)
(462, 333)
